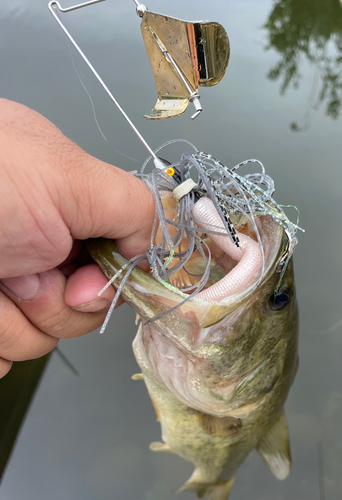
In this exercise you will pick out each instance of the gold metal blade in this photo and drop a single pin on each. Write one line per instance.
(183, 56)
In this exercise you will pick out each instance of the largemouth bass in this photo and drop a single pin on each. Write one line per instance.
(218, 371)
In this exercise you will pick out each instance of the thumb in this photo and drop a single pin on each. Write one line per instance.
(110, 203)
(50, 172)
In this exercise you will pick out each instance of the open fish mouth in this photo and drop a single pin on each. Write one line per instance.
(232, 268)
(234, 272)
(248, 258)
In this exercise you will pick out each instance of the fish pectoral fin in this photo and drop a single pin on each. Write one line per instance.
(217, 491)
(274, 448)
(138, 376)
(158, 446)
(219, 426)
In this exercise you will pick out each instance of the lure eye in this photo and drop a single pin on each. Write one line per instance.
(280, 300)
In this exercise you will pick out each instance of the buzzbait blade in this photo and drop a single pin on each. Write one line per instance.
(183, 56)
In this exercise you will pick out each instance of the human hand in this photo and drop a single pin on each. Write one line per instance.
(53, 195)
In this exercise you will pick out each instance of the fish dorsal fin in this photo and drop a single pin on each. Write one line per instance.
(183, 56)
(274, 448)
(219, 491)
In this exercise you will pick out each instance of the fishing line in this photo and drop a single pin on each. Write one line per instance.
(87, 92)
(66, 361)
(93, 105)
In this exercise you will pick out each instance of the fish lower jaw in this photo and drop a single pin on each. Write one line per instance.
(183, 378)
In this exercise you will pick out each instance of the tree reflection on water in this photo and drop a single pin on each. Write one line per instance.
(311, 30)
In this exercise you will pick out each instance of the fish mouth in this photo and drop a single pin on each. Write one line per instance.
(236, 267)
(233, 269)
(235, 273)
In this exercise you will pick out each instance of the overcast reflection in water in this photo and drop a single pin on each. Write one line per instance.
(87, 437)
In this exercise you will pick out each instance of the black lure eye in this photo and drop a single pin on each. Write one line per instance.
(280, 300)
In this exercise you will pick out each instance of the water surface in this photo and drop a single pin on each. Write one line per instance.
(87, 437)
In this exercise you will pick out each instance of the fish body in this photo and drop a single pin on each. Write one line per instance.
(218, 373)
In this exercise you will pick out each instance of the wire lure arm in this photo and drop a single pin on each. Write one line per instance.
(53, 6)
(74, 7)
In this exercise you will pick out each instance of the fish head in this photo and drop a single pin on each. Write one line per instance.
(214, 356)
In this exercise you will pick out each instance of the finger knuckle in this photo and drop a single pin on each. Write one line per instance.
(56, 323)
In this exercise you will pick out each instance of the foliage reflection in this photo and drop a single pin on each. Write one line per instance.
(308, 30)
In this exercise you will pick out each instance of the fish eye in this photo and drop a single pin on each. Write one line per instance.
(280, 300)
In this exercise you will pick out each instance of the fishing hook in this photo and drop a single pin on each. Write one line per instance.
(287, 252)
